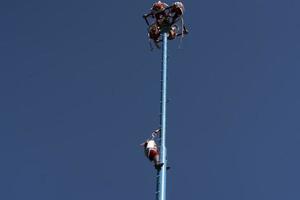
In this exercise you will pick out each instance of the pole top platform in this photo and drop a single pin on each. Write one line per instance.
(163, 18)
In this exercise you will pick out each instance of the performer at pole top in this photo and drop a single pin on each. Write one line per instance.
(177, 10)
(154, 33)
(157, 11)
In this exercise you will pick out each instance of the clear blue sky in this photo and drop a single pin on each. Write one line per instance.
(79, 91)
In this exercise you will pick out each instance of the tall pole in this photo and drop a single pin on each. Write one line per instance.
(162, 174)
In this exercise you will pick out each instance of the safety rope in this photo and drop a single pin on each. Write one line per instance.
(182, 32)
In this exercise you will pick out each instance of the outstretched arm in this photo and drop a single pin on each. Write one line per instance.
(168, 8)
(157, 131)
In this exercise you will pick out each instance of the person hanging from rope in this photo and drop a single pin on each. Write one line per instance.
(151, 150)
(158, 12)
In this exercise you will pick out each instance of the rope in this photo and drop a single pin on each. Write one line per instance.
(181, 38)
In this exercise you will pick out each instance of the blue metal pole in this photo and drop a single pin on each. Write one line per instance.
(162, 174)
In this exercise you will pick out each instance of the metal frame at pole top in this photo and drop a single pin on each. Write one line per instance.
(162, 174)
